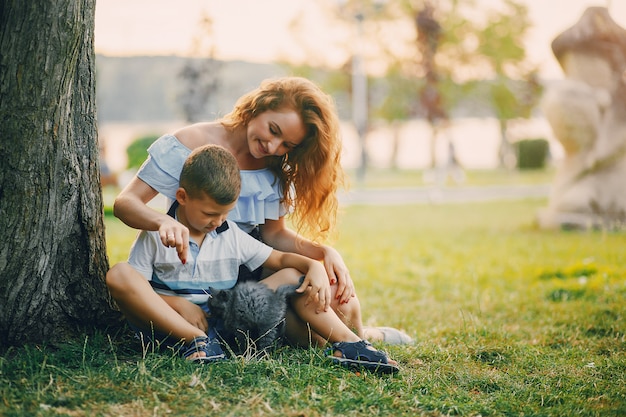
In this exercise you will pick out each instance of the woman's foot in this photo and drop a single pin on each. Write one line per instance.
(362, 354)
(387, 335)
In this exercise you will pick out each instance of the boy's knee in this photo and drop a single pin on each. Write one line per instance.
(114, 277)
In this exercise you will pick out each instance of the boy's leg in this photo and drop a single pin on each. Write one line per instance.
(143, 307)
(297, 332)
(349, 313)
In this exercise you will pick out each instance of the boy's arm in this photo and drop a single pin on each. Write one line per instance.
(276, 234)
(142, 254)
(314, 275)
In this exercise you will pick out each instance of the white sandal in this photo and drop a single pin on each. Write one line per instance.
(393, 336)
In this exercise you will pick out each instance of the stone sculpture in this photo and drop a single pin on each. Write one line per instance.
(587, 113)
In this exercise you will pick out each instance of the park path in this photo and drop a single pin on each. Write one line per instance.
(434, 194)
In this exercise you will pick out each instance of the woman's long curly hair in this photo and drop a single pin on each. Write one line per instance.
(311, 173)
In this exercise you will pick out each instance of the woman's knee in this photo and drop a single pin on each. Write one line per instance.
(349, 313)
(352, 305)
(287, 276)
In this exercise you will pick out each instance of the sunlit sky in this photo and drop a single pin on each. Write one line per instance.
(258, 31)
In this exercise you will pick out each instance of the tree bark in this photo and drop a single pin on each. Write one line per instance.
(52, 243)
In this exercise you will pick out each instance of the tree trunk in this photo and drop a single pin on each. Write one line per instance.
(52, 243)
(395, 143)
(506, 156)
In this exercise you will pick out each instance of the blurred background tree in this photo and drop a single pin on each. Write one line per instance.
(514, 88)
(200, 76)
(396, 102)
(476, 67)
(466, 62)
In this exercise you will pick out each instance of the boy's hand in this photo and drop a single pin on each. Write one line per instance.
(316, 283)
(193, 313)
(175, 235)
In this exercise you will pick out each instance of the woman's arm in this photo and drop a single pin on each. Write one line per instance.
(130, 206)
(276, 234)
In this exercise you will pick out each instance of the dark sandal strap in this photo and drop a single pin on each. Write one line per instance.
(360, 351)
(358, 355)
(211, 348)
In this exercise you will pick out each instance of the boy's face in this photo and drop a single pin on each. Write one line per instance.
(201, 214)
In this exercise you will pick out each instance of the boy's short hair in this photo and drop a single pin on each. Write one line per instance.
(212, 170)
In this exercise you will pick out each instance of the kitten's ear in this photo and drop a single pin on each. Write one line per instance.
(217, 294)
(221, 295)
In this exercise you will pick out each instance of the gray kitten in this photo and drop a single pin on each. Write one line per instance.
(253, 315)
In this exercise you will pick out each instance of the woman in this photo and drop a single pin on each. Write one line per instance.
(285, 138)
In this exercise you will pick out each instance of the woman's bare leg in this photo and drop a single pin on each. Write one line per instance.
(299, 332)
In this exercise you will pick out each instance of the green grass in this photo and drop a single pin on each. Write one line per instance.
(509, 320)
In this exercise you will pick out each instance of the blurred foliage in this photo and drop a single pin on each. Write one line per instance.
(481, 65)
(531, 153)
(397, 95)
(137, 152)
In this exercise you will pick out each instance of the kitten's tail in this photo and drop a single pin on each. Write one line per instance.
(289, 290)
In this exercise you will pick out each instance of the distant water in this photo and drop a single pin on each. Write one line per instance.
(476, 142)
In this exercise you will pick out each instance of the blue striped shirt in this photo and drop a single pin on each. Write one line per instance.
(214, 264)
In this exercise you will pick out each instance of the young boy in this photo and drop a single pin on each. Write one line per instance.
(168, 297)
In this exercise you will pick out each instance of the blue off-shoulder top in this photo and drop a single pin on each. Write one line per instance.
(260, 196)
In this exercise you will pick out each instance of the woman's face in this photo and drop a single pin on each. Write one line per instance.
(275, 132)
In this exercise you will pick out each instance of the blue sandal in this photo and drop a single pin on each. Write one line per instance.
(359, 355)
(210, 346)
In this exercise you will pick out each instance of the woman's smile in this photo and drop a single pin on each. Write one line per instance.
(263, 149)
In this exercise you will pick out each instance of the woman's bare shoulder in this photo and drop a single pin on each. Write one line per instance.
(200, 134)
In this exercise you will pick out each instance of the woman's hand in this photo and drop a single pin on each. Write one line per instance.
(339, 274)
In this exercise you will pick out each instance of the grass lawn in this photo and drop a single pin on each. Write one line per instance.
(509, 320)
